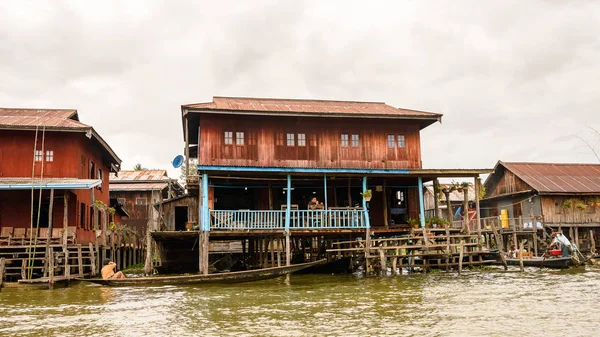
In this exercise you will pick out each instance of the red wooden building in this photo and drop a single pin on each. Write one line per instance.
(261, 161)
(52, 170)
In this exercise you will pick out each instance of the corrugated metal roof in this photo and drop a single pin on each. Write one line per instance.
(47, 183)
(558, 178)
(59, 113)
(138, 187)
(455, 195)
(141, 175)
(306, 106)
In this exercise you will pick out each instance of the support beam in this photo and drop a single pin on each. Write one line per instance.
(205, 217)
(187, 148)
(385, 205)
(288, 251)
(66, 216)
(203, 238)
(421, 203)
(364, 203)
(477, 208)
(325, 189)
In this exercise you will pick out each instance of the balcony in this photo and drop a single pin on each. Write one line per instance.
(247, 220)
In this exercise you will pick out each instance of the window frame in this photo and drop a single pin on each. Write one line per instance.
(301, 141)
(290, 139)
(139, 203)
(228, 137)
(38, 156)
(355, 140)
(344, 140)
(49, 156)
(391, 141)
(401, 144)
(240, 138)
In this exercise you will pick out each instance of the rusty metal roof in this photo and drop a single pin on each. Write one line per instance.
(138, 187)
(129, 176)
(50, 118)
(558, 178)
(249, 104)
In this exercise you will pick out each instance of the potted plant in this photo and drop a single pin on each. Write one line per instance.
(414, 223)
(567, 204)
(598, 202)
(580, 206)
(367, 194)
(591, 203)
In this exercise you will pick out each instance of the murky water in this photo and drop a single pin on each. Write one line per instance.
(482, 303)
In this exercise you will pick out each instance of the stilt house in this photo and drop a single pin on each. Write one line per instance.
(52, 170)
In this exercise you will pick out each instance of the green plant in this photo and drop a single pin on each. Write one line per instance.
(481, 191)
(580, 206)
(567, 204)
(413, 222)
(367, 194)
(112, 226)
(111, 210)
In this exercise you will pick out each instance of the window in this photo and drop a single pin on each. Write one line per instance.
(141, 201)
(355, 141)
(344, 140)
(391, 140)
(122, 201)
(239, 138)
(50, 155)
(290, 139)
(228, 137)
(92, 170)
(39, 155)
(301, 139)
(401, 141)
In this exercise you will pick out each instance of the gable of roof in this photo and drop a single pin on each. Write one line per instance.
(131, 176)
(53, 120)
(557, 178)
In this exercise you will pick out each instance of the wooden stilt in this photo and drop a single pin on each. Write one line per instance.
(79, 261)
(279, 244)
(2, 270)
(272, 245)
(576, 230)
(395, 266)
(67, 265)
(534, 239)
(148, 266)
(521, 256)
(461, 255)
(288, 251)
(204, 251)
(92, 260)
(51, 268)
(383, 262)
(367, 250)
(592, 243)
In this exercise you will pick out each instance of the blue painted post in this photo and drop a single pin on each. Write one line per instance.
(288, 194)
(364, 203)
(325, 188)
(205, 216)
(421, 203)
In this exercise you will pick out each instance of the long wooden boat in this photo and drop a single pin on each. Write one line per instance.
(231, 277)
(552, 263)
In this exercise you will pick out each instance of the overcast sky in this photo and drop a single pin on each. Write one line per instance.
(515, 80)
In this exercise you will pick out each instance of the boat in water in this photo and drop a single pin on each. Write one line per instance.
(541, 262)
(229, 277)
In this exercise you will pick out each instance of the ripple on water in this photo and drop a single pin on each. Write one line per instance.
(493, 303)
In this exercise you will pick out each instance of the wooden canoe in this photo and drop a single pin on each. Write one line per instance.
(552, 263)
(231, 277)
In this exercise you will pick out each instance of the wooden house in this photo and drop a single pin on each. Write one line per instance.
(261, 161)
(139, 191)
(53, 168)
(556, 195)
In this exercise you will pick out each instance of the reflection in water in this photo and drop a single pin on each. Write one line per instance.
(477, 303)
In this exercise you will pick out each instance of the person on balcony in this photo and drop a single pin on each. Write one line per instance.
(314, 204)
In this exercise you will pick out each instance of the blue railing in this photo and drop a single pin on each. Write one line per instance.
(299, 219)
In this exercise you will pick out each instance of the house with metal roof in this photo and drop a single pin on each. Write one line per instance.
(261, 161)
(53, 169)
(139, 191)
(559, 195)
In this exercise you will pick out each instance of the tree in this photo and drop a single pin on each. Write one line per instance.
(139, 167)
(594, 146)
(192, 170)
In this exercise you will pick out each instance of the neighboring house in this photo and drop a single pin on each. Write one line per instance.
(562, 195)
(52, 168)
(139, 191)
(456, 201)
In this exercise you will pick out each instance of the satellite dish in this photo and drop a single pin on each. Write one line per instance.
(178, 161)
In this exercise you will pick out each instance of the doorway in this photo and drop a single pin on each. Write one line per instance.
(181, 217)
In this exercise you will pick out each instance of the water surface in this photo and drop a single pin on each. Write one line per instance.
(482, 303)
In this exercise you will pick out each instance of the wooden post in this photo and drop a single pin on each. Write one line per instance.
(499, 245)
(79, 261)
(448, 205)
(395, 266)
(67, 265)
(51, 268)
(436, 197)
(367, 249)
(92, 260)
(279, 244)
(118, 252)
(288, 249)
(521, 256)
(104, 230)
(148, 266)
(272, 245)
(477, 208)
(592, 243)
(270, 188)
(460, 257)
(2, 270)
(466, 208)
(534, 237)
(448, 249)
(576, 230)
(50, 214)
(187, 148)
(65, 215)
(382, 261)
(385, 205)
